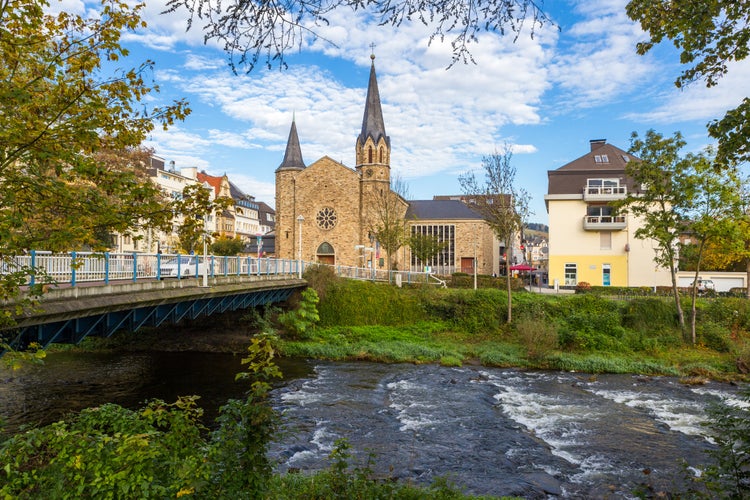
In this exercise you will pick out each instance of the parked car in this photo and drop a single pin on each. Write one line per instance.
(184, 264)
(704, 285)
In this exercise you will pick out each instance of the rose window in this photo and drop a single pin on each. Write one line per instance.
(326, 218)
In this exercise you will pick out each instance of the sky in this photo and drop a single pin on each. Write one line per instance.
(544, 96)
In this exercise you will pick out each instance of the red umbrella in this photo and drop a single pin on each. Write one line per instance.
(521, 267)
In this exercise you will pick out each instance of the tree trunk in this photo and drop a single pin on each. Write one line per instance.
(508, 260)
(676, 294)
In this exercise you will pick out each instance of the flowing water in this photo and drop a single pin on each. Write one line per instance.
(491, 431)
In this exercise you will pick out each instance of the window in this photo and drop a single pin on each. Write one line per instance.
(604, 186)
(571, 274)
(445, 234)
(599, 210)
(601, 158)
(605, 240)
(626, 158)
(606, 274)
(381, 155)
(369, 154)
(326, 218)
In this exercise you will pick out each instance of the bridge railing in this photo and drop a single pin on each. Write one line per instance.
(90, 267)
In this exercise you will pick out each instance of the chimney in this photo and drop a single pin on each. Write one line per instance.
(597, 143)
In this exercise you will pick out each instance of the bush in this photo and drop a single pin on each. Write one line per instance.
(320, 278)
(583, 287)
(714, 336)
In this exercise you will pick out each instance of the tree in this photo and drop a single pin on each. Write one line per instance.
(62, 119)
(712, 208)
(503, 206)
(252, 30)
(388, 225)
(709, 35)
(192, 209)
(424, 246)
(659, 203)
(224, 245)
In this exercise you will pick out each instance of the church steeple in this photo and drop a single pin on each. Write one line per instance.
(293, 155)
(373, 145)
(372, 122)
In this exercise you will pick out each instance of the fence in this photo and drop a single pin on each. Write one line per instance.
(90, 267)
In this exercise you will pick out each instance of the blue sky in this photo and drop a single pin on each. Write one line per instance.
(546, 97)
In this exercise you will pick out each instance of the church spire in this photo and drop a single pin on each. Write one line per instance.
(373, 125)
(293, 155)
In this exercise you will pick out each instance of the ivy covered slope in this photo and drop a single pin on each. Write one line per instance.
(585, 332)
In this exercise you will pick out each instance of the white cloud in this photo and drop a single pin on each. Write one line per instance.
(697, 102)
(596, 61)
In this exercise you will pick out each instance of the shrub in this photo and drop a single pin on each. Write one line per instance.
(320, 278)
(537, 335)
(583, 287)
(298, 321)
(714, 336)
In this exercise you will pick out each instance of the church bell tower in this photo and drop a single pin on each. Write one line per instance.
(373, 145)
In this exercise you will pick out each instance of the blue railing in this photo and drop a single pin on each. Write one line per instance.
(76, 268)
(88, 267)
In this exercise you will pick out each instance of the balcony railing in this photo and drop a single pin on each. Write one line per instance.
(604, 193)
(604, 223)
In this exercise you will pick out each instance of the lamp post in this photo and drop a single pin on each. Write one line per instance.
(300, 220)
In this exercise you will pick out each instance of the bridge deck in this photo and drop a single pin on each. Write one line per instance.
(70, 314)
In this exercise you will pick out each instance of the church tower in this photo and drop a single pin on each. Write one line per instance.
(286, 196)
(373, 145)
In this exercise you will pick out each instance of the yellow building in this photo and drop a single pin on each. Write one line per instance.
(588, 240)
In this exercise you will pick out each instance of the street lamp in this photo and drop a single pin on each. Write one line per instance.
(300, 220)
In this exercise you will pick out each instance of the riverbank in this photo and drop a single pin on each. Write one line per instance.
(453, 327)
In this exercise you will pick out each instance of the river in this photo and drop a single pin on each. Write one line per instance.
(491, 431)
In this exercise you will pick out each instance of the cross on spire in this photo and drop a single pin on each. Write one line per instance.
(372, 49)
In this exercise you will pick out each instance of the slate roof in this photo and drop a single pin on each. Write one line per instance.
(372, 122)
(440, 209)
(293, 154)
(603, 161)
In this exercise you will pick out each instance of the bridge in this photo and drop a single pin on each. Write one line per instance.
(98, 294)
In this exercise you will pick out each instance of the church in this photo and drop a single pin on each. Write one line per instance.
(329, 213)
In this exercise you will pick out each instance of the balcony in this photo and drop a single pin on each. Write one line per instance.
(604, 223)
(604, 193)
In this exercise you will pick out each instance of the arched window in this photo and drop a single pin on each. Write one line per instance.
(381, 155)
(369, 154)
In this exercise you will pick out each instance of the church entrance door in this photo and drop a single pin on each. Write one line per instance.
(327, 259)
(467, 265)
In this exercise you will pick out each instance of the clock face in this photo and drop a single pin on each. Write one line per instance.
(368, 172)
(326, 218)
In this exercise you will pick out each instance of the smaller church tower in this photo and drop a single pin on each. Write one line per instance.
(286, 199)
(373, 145)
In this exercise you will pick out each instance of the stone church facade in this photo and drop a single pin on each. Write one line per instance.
(329, 213)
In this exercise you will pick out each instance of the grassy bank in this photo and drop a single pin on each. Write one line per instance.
(587, 332)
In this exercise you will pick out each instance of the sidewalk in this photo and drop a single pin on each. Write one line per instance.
(546, 290)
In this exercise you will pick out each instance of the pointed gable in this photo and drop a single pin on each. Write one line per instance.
(373, 125)
(293, 155)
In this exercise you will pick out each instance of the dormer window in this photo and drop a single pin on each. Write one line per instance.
(601, 158)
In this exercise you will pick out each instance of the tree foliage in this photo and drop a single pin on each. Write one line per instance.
(255, 31)
(503, 205)
(711, 211)
(387, 208)
(424, 246)
(224, 245)
(659, 171)
(63, 117)
(710, 35)
(192, 210)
